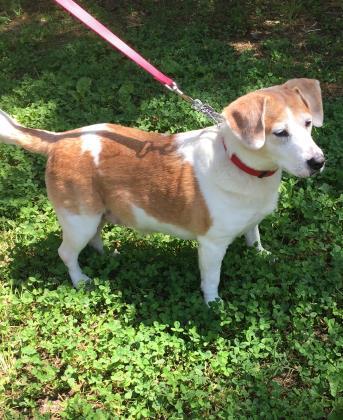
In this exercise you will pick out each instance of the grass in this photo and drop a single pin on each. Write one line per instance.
(141, 343)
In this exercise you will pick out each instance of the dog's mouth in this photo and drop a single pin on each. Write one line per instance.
(316, 164)
(303, 171)
(308, 168)
(314, 172)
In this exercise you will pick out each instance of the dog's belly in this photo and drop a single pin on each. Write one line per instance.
(146, 223)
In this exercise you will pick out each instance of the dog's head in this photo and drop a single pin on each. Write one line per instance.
(277, 122)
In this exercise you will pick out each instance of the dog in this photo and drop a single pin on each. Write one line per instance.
(212, 184)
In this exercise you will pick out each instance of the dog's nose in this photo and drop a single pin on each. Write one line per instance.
(316, 163)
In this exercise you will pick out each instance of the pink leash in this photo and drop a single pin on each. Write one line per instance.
(92, 23)
(112, 39)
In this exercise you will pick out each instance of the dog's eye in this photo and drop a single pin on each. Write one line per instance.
(308, 123)
(281, 133)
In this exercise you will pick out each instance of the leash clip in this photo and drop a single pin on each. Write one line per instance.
(197, 104)
(175, 88)
(207, 110)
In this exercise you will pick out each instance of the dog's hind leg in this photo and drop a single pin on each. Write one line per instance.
(78, 230)
(96, 241)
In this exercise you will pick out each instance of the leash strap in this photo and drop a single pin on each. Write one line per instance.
(92, 23)
(77, 11)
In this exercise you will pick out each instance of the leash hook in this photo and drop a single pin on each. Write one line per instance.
(197, 104)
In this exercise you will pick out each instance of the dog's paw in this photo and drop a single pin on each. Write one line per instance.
(263, 251)
(212, 300)
(216, 307)
(81, 281)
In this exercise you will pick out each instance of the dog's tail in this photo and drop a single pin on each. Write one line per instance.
(37, 141)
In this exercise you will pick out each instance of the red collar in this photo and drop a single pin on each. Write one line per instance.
(254, 172)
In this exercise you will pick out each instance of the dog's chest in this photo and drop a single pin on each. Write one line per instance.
(233, 214)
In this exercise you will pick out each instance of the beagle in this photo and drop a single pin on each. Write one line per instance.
(211, 185)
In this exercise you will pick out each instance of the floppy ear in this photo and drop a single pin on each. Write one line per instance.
(310, 92)
(245, 117)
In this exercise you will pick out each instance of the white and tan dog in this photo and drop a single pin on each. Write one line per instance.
(211, 185)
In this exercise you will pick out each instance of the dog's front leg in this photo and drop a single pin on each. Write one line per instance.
(252, 238)
(211, 253)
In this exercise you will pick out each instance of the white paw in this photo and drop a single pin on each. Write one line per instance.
(263, 251)
(79, 279)
(211, 299)
(266, 253)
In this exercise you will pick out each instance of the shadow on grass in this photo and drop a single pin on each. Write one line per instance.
(156, 283)
(156, 279)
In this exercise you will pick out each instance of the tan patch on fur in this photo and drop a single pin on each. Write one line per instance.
(70, 177)
(135, 167)
(246, 117)
(310, 92)
(36, 141)
(244, 114)
(278, 99)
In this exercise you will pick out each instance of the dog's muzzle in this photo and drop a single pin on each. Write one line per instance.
(316, 163)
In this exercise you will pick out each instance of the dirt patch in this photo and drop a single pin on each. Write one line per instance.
(288, 379)
(50, 407)
(332, 90)
(242, 46)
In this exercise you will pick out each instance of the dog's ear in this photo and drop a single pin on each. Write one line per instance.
(310, 92)
(245, 117)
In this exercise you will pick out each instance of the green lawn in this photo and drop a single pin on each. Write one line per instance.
(141, 343)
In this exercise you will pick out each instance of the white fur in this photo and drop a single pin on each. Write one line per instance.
(78, 230)
(91, 143)
(8, 132)
(252, 237)
(293, 152)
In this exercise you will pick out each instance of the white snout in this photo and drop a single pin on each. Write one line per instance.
(298, 154)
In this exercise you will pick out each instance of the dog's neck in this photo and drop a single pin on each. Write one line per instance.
(254, 159)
